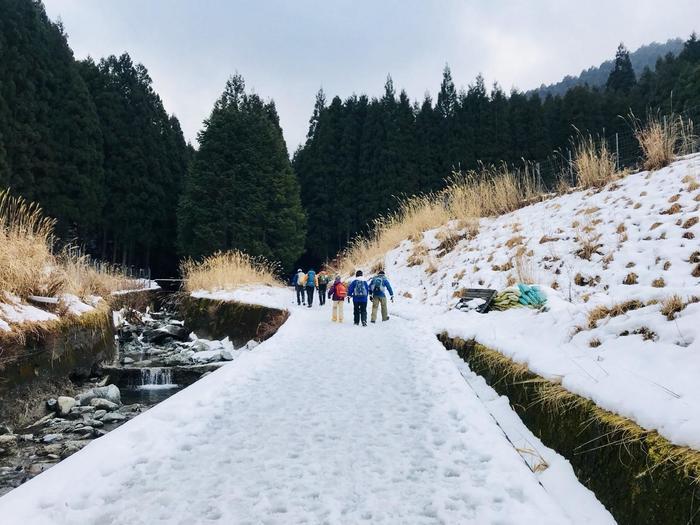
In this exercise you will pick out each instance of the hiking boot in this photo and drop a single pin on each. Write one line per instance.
(364, 324)
(373, 322)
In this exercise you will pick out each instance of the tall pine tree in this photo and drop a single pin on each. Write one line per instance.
(241, 192)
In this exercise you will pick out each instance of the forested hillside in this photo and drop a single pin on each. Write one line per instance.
(596, 76)
(360, 152)
(91, 142)
(241, 192)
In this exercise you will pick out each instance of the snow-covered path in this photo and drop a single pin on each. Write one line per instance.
(324, 423)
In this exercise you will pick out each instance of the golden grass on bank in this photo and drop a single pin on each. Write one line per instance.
(29, 266)
(468, 197)
(663, 138)
(594, 164)
(228, 271)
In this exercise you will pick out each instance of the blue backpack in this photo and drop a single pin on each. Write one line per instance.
(359, 290)
(377, 285)
(310, 278)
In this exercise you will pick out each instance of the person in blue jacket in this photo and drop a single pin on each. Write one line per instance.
(359, 291)
(311, 284)
(378, 287)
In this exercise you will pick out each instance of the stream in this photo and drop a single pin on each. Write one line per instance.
(156, 358)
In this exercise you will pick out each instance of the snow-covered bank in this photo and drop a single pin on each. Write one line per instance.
(642, 362)
(322, 423)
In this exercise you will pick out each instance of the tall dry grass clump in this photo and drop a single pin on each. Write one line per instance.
(491, 191)
(27, 265)
(82, 277)
(663, 138)
(594, 164)
(228, 271)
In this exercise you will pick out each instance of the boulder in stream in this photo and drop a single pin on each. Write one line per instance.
(110, 393)
(64, 405)
(103, 404)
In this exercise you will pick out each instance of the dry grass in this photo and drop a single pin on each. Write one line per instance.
(468, 197)
(603, 312)
(27, 264)
(663, 138)
(658, 282)
(671, 306)
(30, 266)
(594, 163)
(631, 278)
(228, 271)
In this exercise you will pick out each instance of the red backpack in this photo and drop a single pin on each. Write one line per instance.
(341, 291)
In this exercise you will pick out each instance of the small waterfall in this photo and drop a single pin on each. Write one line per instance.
(156, 378)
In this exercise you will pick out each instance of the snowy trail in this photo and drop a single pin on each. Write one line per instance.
(324, 423)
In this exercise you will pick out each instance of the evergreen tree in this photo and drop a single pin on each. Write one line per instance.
(622, 76)
(145, 159)
(240, 192)
(50, 141)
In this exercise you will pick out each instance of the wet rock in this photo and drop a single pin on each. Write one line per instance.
(113, 417)
(52, 438)
(128, 361)
(8, 440)
(99, 432)
(110, 393)
(3, 451)
(71, 447)
(177, 360)
(64, 404)
(156, 336)
(54, 448)
(99, 414)
(200, 346)
(37, 468)
(52, 404)
(84, 431)
(178, 332)
(79, 411)
(95, 423)
(103, 404)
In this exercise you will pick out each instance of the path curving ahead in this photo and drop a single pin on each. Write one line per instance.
(324, 423)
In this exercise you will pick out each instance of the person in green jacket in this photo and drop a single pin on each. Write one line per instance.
(323, 281)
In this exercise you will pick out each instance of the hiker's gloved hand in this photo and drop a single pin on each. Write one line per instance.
(392, 298)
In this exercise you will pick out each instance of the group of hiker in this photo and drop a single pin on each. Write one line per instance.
(358, 290)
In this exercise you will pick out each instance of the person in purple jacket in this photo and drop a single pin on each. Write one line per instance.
(359, 291)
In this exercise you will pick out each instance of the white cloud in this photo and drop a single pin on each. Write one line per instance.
(287, 50)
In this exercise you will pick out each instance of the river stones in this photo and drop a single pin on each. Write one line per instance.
(64, 405)
(103, 404)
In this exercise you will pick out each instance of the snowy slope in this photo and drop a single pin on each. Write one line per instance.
(323, 423)
(639, 364)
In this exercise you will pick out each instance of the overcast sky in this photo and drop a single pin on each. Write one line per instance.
(286, 50)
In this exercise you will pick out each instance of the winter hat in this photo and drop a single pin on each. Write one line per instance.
(358, 273)
(299, 270)
(381, 272)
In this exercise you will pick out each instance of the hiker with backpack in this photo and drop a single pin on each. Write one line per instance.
(337, 293)
(323, 281)
(359, 291)
(378, 287)
(311, 284)
(299, 281)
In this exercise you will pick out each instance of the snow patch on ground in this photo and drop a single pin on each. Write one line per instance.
(323, 423)
(640, 364)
